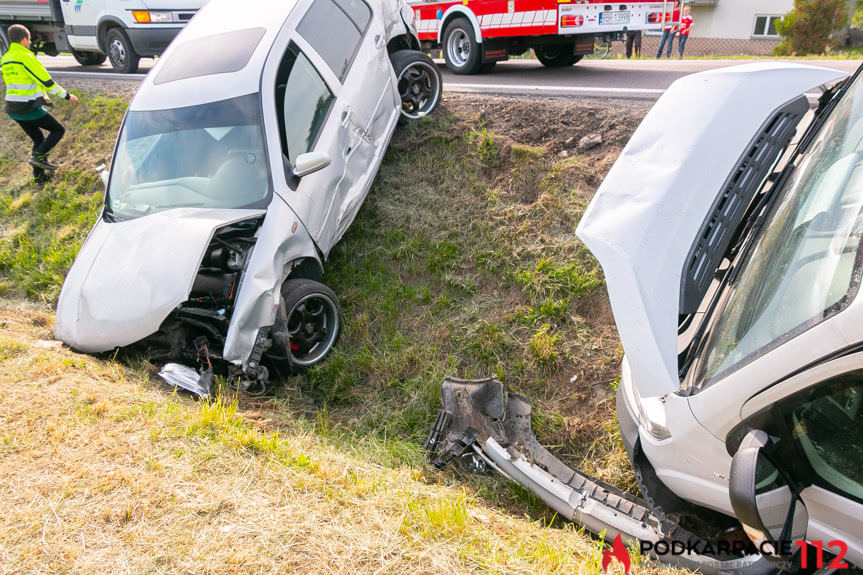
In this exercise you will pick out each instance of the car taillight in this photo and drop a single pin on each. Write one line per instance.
(577, 20)
(655, 18)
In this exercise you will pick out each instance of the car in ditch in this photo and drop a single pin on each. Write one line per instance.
(242, 160)
(730, 234)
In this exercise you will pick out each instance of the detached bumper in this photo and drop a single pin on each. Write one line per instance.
(483, 424)
(152, 41)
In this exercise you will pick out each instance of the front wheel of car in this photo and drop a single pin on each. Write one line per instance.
(308, 324)
(419, 83)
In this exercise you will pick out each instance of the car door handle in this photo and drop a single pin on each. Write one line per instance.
(379, 41)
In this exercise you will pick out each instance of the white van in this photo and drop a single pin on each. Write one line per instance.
(123, 31)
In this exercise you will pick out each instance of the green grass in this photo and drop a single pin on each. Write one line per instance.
(463, 261)
(41, 229)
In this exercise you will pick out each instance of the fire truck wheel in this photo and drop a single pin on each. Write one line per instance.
(460, 48)
(419, 83)
(556, 55)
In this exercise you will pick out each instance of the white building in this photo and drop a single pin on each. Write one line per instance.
(738, 19)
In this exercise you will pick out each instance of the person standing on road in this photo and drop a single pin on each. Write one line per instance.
(685, 27)
(633, 43)
(668, 31)
(28, 89)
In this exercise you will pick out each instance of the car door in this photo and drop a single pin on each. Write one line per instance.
(309, 118)
(81, 18)
(349, 38)
(818, 436)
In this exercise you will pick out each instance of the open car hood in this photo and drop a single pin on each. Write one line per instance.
(130, 275)
(652, 206)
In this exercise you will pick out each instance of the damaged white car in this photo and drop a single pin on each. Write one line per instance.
(242, 160)
(730, 232)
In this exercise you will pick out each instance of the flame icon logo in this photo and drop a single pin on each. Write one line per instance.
(619, 552)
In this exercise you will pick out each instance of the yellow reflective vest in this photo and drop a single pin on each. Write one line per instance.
(27, 81)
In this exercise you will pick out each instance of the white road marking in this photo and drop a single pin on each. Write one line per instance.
(98, 75)
(459, 87)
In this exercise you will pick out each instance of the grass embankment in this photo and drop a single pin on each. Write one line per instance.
(463, 261)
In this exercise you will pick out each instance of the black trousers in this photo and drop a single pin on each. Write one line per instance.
(41, 144)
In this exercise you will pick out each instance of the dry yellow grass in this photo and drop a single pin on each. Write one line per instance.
(103, 471)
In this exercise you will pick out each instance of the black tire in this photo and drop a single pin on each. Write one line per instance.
(556, 55)
(418, 81)
(460, 48)
(120, 51)
(89, 58)
(308, 324)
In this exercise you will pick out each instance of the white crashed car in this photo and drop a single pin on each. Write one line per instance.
(731, 237)
(242, 160)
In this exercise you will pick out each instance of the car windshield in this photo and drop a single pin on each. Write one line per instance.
(207, 156)
(805, 267)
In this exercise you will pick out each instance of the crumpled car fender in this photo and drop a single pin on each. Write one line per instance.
(282, 239)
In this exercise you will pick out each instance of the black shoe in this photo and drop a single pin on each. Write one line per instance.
(41, 162)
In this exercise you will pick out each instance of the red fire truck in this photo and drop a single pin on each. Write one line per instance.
(476, 34)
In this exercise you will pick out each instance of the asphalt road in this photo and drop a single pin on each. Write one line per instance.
(644, 79)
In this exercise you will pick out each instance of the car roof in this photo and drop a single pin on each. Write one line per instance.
(218, 25)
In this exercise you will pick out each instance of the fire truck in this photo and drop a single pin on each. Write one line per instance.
(476, 34)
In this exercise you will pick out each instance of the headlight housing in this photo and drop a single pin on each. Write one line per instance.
(152, 16)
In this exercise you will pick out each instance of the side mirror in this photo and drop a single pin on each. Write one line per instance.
(310, 163)
(103, 172)
(763, 498)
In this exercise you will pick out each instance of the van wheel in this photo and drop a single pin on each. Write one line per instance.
(122, 55)
(556, 55)
(418, 81)
(308, 324)
(89, 58)
(460, 48)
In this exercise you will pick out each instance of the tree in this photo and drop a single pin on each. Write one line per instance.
(809, 27)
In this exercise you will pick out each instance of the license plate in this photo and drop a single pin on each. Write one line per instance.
(611, 18)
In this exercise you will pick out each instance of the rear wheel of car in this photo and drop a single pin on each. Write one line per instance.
(122, 55)
(308, 324)
(89, 58)
(419, 83)
(460, 48)
(556, 55)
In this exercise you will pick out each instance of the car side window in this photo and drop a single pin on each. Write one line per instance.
(334, 28)
(303, 101)
(826, 425)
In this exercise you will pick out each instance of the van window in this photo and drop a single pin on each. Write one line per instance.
(335, 28)
(303, 101)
